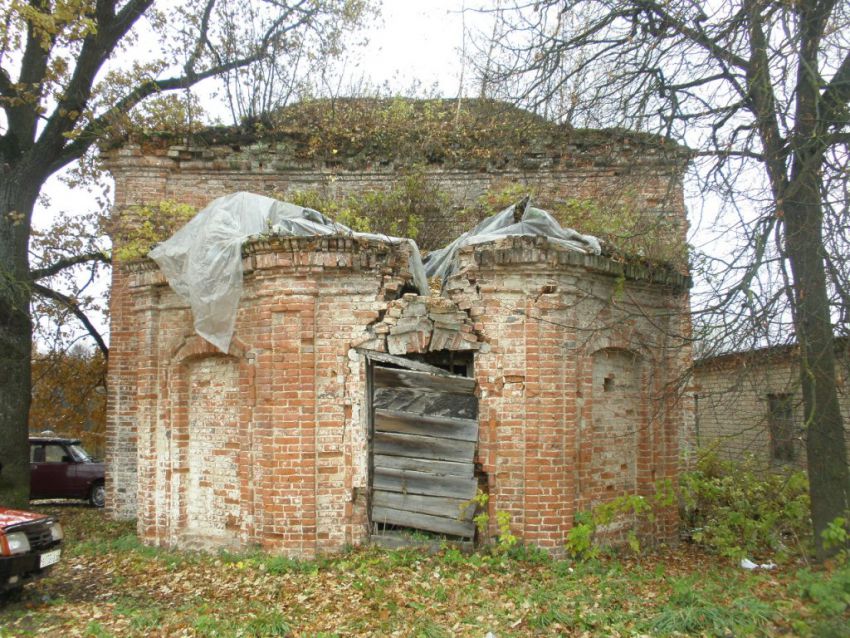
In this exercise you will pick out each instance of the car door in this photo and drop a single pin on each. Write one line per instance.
(51, 467)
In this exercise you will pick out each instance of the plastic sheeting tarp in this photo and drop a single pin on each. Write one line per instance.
(533, 221)
(203, 260)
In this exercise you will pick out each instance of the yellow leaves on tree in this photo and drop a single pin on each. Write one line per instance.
(69, 396)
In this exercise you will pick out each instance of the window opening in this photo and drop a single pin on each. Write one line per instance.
(781, 425)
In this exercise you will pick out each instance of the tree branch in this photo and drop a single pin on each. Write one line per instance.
(96, 49)
(6, 88)
(23, 116)
(697, 36)
(763, 101)
(836, 96)
(730, 153)
(72, 305)
(202, 41)
(62, 264)
(87, 136)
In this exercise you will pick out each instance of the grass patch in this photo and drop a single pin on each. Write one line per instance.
(697, 606)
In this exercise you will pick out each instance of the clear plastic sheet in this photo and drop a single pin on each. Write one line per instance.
(203, 260)
(532, 221)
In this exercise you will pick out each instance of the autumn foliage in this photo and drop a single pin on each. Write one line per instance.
(69, 397)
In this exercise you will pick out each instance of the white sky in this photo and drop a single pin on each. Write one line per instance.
(418, 40)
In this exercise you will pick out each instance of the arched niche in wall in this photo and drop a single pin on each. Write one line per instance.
(207, 413)
(618, 417)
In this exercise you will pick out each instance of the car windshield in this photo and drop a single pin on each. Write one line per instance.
(79, 453)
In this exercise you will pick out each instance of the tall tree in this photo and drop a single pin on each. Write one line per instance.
(68, 70)
(760, 89)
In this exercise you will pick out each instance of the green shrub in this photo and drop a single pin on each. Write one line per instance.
(621, 219)
(836, 536)
(505, 539)
(147, 225)
(583, 538)
(398, 210)
(739, 509)
(829, 591)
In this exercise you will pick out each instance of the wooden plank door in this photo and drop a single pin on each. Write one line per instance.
(423, 445)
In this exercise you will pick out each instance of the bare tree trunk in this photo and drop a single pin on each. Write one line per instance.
(15, 340)
(826, 451)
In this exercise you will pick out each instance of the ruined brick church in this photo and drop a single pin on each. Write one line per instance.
(350, 407)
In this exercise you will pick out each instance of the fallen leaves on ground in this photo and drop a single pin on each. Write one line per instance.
(109, 584)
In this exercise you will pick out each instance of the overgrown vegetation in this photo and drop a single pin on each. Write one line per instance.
(110, 584)
(741, 509)
(628, 226)
(357, 131)
(731, 509)
(144, 226)
(618, 519)
(406, 135)
(504, 540)
(398, 210)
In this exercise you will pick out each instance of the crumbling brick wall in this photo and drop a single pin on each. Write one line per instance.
(254, 445)
(613, 168)
(268, 444)
(289, 466)
(558, 323)
(598, 165)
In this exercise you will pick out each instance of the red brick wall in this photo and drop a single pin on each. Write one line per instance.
(644, 176)
(554, 322)
(121, 432)
(268, 443)
(264, 444)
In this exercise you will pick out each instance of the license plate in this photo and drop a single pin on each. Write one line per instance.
(49, 558)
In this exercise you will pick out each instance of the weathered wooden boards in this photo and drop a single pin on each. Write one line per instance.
(417, 380)
(423, 446)
(410, 482)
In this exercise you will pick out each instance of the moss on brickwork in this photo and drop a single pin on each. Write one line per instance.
(630, 231)
(398, 210)
(431, 169)
(629, 234)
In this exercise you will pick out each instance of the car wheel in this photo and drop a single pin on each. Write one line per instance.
(97, 496)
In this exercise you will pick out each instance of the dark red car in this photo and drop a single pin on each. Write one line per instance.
(30, 544)
(61, 468)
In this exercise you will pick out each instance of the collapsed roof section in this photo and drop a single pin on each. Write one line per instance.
(203, 260)
(516, 220)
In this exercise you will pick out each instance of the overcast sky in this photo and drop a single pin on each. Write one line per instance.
(418, 40)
